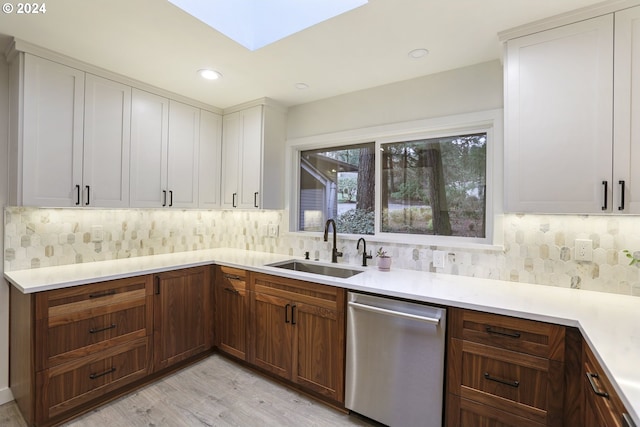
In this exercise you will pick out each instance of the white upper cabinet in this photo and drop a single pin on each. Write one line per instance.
(49, 155)
(107, 133)
(149, 143)
(559, 120)
(71, 142)
(253, 158)
(210, 160)
(182, 156)
(627, 112)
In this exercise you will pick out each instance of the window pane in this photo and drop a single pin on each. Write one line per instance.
(338, 183)
(435, 186)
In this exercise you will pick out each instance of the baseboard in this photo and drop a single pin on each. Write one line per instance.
(5, 395)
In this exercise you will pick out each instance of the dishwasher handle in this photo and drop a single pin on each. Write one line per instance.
(430, 320)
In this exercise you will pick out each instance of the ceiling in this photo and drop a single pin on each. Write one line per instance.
(155, 42)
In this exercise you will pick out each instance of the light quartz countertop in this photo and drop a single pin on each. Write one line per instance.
(610, 323)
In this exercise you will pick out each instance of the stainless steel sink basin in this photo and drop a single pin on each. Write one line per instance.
(309, 267)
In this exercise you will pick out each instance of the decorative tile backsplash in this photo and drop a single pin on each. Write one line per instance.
(537, 248)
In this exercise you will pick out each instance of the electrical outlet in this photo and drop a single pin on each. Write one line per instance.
(97, 233)
(439, 259)
(583, 250)
(272, 230)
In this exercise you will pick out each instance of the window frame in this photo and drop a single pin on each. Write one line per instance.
(489, 122)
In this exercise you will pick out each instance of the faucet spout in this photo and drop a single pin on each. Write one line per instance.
(334, 251)
(365, 257)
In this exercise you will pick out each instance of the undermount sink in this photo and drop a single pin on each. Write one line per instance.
(309, 267)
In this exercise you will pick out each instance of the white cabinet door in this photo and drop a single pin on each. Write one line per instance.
(231, 150)
(183, 152)
(107, 132)
(559, 125)
(627, 112)
(250, 170)
(149, 138)
(53, 107)
(210, 160)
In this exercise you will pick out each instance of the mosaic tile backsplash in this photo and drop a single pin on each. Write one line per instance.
(538, 249)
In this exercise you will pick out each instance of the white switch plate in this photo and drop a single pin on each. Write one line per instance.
(439, 259)
(272, 230)
(583, 250)
(97, 233)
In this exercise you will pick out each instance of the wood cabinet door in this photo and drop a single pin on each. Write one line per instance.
(53, 134)
(272, 334)
(559, 119)
(232, 304)
(182, 315)
(318, 349)
(107, 136)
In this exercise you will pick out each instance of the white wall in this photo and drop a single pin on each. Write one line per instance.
(5, 393)
(463, 90)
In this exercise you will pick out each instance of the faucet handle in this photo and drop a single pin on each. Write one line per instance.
(370, 256)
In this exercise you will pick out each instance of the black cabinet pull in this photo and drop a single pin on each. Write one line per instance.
(88, 195)
(293, 314)
(232, 290)
(164, 198)
(501, 381)
(106, 328)
(231, 277)
(621, 207)
(103, 294)
(605, 186)
(233, 200)
(170, 198)
(490, 330)
(77, 195)
(102, 374)
(286, 313)
(157, 285)
(255, 199)
(590, 377)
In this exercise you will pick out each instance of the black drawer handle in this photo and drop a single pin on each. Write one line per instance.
(293, 314)
(106, 328)
(590, 377)
(77, 195)
(621, 206)
(233, 291)
(490, 330)
(255, 199)
(104, 294)
(605, 187)
(102, 374)
(231, 277)
(233, 200)
(286, 313)
(501, 381)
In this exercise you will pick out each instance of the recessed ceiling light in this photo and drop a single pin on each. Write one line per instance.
(418, 53)
(208, 74)
(301, 86)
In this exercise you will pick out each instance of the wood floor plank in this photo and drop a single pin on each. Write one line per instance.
(212, 392)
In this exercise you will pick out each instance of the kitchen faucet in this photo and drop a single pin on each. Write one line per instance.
(365, 257)
(334, 252)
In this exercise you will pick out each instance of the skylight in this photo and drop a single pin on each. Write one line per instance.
(257, 23)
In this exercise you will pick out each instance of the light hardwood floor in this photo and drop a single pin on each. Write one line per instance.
(212, 392)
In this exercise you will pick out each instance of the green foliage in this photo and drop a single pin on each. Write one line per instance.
(356, 221)
(631, 256)
(348, 189)
(412, 190)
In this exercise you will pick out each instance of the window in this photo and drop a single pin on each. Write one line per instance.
(435, 186)
(338, 183)
(428, 182)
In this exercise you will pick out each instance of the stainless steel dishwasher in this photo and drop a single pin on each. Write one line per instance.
(395, 360)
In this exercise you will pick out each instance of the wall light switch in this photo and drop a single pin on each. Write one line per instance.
(272, 230)
(439, 259)
(583, 250)
(97, 233)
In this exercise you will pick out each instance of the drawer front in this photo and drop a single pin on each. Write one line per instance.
(467, 413)
(68, 386)
(232, 278)
(78, 338)
(519, 335)
(600, 395)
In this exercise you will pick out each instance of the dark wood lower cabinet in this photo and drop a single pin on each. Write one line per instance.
(232, 302)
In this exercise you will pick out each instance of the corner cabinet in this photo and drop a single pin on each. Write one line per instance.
(298, 330)
(253, 140)
(232, 298)
(183, 315)
(572, 124)
(69, 136)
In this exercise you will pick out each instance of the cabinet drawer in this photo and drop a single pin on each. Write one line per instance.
(78, 338)
(303, 292)
(467, 413)
(232, 279)
(77, 382)
(525, 336)
(524, 385)
(600, 396)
